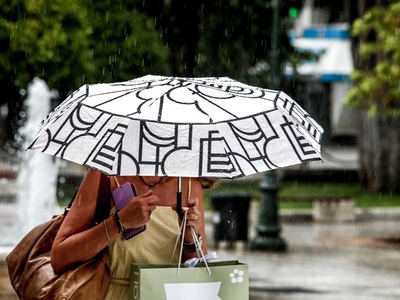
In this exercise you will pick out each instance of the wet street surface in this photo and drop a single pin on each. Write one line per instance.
(355, 260)
(325, 261)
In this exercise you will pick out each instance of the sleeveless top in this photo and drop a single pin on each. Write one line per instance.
(153, 246)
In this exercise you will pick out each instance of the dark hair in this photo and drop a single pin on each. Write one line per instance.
(208, 182)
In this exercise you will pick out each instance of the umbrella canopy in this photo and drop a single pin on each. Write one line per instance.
(184, 127)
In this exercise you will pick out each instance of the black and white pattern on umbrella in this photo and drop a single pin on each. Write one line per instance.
(194, 127)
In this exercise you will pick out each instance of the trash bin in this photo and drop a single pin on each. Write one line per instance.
(230, 217)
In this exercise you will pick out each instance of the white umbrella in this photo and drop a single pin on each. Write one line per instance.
(183, 127)
(169, 126)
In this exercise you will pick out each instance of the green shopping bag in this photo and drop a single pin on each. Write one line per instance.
(228, 280)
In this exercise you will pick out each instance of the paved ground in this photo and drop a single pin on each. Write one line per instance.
(356, 260)
(347, 260)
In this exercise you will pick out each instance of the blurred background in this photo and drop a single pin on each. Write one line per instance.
(338, 59)
(324, 54)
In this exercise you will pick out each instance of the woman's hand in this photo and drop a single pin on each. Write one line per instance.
(194, 219)
(137, 211)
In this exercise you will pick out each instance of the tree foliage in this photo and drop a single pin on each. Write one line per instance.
(235, 37)
(219, 38)
(376, 88)
(46, 39)
(71, 42)
(125, 43)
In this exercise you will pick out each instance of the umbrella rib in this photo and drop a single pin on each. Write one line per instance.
(110, 100)
(198, 93)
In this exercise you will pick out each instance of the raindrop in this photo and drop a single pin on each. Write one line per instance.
(4, 111)
(22, 92)
(22, 114)
(62, 180)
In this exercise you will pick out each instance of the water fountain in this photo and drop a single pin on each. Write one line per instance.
(35, 187)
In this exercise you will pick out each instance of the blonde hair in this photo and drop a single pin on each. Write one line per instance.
(208, 182)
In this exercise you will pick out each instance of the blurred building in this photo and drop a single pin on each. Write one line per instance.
(324, 80)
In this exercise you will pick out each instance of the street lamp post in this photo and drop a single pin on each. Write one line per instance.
(268, 228)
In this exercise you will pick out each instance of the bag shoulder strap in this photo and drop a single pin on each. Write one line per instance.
(103, 205)
(68, 207)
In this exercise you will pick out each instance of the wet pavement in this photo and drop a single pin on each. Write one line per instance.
(358, 259)
(348, 260)
(337, 260)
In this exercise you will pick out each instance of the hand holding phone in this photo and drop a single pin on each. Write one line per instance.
(122, 195)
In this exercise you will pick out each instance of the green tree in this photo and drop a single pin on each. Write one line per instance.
(376, 87)
(46, 39)
(377, 92)
(71, 42)
(125, 43)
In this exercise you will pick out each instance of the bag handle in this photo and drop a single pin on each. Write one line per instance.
(116, 181)
(197, 243)
(181, 235)
(190, 187)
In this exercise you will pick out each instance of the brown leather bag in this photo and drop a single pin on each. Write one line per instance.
(30, 271)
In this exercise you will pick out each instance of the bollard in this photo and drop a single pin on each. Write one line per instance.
(268, 228)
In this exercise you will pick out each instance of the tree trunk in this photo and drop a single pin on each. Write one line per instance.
(380, 153)
(379, 139)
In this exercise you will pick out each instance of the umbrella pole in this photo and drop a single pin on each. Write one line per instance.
(179, 199)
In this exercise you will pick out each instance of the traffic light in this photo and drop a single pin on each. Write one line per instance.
(293, 12)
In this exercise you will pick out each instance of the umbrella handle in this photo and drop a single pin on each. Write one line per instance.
(179, 205)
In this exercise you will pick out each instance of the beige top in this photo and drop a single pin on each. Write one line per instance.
(155, 245)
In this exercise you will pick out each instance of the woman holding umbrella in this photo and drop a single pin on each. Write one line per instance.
(78, 241)
(189, 127)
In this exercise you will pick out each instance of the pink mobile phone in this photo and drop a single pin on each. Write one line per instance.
(122, 195)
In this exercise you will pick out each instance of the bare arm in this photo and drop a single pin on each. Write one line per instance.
(77, 241)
